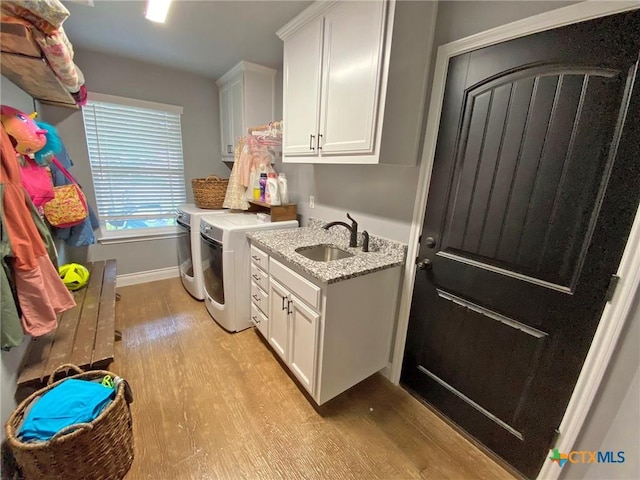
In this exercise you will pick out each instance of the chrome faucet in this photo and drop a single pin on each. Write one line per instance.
(353, 228)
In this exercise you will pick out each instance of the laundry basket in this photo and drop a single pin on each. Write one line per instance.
(209, 192)
(100, 450)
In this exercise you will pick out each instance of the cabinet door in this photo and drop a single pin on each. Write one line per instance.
(301, 98)
(278, 318)
(304, 324)
(352, 72)
(237, 110)
(226, 140)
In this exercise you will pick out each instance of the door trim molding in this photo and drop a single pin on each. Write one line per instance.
(617, 311)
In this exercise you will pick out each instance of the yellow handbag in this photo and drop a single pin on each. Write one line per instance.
(69, 205)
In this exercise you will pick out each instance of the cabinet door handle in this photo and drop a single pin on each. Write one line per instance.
(289, 302)
(319, 141)
(311, 137)
(255, 319)
(255, 297)
(255, 277)
(256, 258)
(229, 149)
(283, 299)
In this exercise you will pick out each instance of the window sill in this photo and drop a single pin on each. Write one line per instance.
(142, 235)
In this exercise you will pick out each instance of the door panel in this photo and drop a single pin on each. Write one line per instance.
(535, 184)
(304, 341)
(302, 78)
(353, 41)
(278, 319)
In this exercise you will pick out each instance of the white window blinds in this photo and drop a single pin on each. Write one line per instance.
(135, 149)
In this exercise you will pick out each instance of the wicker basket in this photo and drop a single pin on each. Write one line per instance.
(209, 192)
(100, 450)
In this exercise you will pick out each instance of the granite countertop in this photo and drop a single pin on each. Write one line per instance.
(382, 253)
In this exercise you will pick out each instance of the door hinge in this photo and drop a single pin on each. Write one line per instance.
(554, 438)
(611, 290)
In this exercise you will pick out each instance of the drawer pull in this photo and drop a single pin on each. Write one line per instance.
(256, 258)
(256, 277)
(255, 297)
(255, 319)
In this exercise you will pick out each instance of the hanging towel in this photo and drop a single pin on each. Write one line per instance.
(40, 291)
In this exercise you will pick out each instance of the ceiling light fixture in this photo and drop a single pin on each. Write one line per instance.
(157, 10)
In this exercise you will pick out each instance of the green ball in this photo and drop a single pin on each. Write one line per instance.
(74, 275)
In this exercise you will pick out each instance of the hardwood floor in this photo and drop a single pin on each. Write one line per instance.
(209, 404)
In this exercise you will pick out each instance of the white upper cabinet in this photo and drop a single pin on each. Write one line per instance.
(355, 77)
(302, 68)
(247, 99)
(353, 41)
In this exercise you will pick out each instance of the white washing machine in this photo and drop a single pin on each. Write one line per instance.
(226, 266)
(189, 261)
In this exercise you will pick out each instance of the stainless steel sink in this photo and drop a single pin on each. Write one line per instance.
(323, 253)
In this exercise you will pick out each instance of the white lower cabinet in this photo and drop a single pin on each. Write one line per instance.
(303, 323)
(279, 315)
(331, 336)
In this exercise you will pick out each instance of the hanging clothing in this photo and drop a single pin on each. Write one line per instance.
(235, 196)
(40, 291)
(10, 327)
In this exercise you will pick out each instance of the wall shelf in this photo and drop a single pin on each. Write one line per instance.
(279, 213)
(23, 63)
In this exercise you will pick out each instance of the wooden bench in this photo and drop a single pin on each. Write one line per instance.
(85, 335)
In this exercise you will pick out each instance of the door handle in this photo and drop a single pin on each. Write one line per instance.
(425, 264)
(311, 137)
(430, 242)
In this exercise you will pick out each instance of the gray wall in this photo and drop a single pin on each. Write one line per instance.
(200, 135)
(11, 95)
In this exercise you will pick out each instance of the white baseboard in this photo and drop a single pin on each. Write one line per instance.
(386, 371)
(148, 276)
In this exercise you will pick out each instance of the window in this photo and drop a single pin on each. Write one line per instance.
(135, 150)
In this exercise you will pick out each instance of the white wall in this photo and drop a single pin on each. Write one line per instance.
(11, 95)
(198, 96)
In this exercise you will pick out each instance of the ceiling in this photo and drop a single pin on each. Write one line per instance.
(203, 37)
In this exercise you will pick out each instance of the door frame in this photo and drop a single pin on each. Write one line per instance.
(617, 311)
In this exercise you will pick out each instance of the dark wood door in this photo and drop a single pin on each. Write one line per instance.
(534, 189)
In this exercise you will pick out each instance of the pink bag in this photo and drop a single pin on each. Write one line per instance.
(37, 182)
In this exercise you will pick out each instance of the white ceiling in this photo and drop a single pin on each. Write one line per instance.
(202, 37)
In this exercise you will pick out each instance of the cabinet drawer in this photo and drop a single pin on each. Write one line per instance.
(259, 277)
(257, 317)
(259, 258)
(259, 298)
(298, 285)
